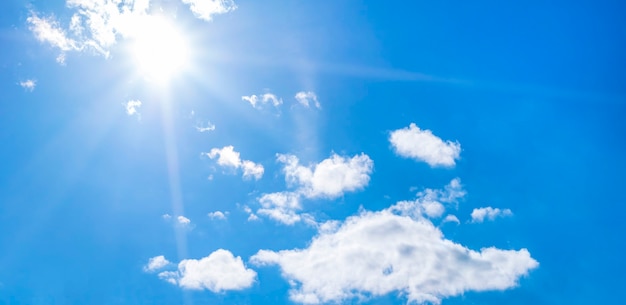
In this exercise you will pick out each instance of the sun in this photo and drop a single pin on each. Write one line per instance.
(159, 50)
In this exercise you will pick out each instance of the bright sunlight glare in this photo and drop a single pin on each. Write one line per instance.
(159, 50)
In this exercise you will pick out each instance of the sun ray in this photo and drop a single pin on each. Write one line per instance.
(159, 50)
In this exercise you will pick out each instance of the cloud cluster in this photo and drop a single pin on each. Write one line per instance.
(423, 145)
(218, 272)
(97, 25)
(305, 98)
(329, 179)
(431, 202)
(489, 213)
(228, 157)
(396, 249)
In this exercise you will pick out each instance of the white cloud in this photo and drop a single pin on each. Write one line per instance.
(430, 202)
(132, 106)
(257, 101)
(97, 25)
(423, 145)
(251, 169)
(166, 216)
(218, 215)
(377, 253)
(61, 59)
(282, 207)
(156, 263)
(48, 30)
(489, 213)
(330, 178)
(451, 218)
(205, 9)
(218, 272)
(205, 127)
(251, 215)
(307, 98)
(182, 220)
(29, 84)
(228, 157)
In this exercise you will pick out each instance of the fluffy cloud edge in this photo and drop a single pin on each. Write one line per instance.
(228, 157)
(397, 249)
(156, 263)
(422, 145)
(218, 272)
(330, 178)
(479, 215)
(206, 9)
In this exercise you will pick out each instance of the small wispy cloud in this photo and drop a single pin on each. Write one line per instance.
(183, 220)
(257, 101)
(488, 213)
(218, 215)
(156, 263)
(132, 107)
(29, 84)
(205, 127)
(307, 98)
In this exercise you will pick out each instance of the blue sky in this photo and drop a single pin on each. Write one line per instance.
(312, 152)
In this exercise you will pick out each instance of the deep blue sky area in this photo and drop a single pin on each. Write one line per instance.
(312, 152)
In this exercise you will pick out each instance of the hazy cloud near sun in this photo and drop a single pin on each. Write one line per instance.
(132, 107)
(218, 272)
(205, 9)
(97, 25)
(423, 145)
(397, 249)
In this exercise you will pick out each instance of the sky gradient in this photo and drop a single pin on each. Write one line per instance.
(307, 152)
